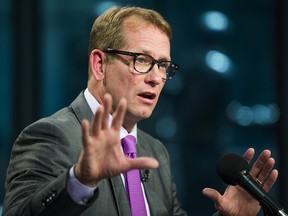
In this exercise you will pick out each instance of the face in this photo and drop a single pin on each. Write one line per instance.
(122, 81)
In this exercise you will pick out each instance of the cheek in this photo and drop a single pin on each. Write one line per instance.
(119, 85)
(121, 81)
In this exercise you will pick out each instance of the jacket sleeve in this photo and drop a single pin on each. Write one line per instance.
(38, 169)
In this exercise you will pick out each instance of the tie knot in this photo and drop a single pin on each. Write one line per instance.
(129, 144)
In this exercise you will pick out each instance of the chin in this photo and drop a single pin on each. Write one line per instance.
(142, 115)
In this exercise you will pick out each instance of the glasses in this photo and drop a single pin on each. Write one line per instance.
(144, 63)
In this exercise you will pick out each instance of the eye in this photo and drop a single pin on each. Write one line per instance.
(164, 65)
(142, 59)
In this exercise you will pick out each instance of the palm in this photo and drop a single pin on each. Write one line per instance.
(102, 155)
(243, 203)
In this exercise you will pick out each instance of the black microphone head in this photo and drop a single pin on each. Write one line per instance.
(229, 166)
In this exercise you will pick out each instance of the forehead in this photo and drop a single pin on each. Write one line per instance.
(133, 21)
(136, 23)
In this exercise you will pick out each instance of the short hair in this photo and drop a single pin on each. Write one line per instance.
(107, 30)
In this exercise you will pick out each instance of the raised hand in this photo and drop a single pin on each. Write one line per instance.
(236, 201)
(102, 155)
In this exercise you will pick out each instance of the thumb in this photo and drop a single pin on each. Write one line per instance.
(142, 163)
(212, 194)
(216, 197)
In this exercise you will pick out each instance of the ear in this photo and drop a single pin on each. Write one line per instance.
(97, 60)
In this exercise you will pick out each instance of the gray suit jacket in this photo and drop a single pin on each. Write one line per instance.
(43, 154)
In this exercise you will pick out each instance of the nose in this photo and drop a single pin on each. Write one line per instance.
(154, 77)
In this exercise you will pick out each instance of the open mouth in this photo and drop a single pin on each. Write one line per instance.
(148, 95)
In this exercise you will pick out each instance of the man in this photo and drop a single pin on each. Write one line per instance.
(62, 165)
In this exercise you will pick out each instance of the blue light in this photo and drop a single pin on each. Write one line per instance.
(255, 115)
(103, 6)
(244, 116)
(218, 61)
(215, 21)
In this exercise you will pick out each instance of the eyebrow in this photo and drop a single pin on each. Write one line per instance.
(160, 59)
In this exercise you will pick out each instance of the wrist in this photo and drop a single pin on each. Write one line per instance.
(85, 181)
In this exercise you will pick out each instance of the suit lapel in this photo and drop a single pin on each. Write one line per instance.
(155, 202)
(156, 205)
(81, 108)
(119, 195)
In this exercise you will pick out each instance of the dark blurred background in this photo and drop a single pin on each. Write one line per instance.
(231, 92)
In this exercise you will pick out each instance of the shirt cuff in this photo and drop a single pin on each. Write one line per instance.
(79, 193)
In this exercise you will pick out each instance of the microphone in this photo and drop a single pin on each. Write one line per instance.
(145, 176)
(233, 170)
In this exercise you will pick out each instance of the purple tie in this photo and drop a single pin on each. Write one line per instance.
(132, 179)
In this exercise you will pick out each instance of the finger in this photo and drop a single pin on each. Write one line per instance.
(266, 170)
(118, 116)
(107, 108)
(249, 154)
(270, 180)
(96, 124)
(85, 132)
(260, 163)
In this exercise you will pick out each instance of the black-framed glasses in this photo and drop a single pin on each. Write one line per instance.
(144, 63)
